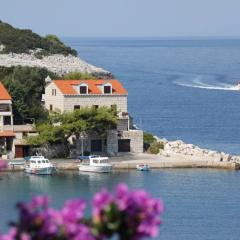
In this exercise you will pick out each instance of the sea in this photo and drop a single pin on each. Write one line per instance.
(177, 89)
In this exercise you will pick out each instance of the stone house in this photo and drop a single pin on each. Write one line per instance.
(12, 143)
(69, 95)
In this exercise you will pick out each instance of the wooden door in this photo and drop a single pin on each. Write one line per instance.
(18, 151)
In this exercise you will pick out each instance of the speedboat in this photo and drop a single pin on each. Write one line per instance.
(96, 164)
(39, 165)
(237, 86)
(142, 167)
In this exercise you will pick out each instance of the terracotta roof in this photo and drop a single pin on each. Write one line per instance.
(66, 86)
(4, 95)
(7, 134)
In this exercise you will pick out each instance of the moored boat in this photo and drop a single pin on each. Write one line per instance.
(142, 167)
(97, 164)
(39, 165)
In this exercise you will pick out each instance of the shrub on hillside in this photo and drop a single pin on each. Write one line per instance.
(22, 40)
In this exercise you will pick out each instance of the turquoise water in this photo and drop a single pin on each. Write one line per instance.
(178, 89)
(199, 204)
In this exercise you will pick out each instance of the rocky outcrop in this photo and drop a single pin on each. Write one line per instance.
(50, 151)
(181, 148)
(57, 63)
(2, 47)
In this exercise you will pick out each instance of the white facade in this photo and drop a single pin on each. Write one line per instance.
(6, 116)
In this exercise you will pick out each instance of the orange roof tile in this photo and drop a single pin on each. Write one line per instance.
(66, 86)
(7, 134)
(4, 95)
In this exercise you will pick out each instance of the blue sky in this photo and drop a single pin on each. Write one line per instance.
(125, 18)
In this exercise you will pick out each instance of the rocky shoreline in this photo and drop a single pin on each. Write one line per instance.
(183, 149)
(56, 63)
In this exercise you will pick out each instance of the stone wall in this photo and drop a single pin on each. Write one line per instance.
(123, 124)
(101, 100)
(135, 136)
(112, 142)
(136, 140)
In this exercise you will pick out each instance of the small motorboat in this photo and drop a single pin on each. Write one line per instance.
(96, 164)
(237, 86)
(142, 167)
(39, 165)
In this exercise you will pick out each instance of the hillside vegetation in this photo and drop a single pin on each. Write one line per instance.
(23, 40)
(26, 86)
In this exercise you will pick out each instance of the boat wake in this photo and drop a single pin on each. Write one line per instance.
(199, 83)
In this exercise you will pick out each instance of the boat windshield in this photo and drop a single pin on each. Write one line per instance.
(104, 161)
(33, 161)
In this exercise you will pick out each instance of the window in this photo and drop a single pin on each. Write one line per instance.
(7, 120)
(96, 106)
(54, 92)
(51, 107)
(76, 107)
(107, 89)
(83, 90)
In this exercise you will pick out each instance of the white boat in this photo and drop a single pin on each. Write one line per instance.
(39, 165)
(96, 164)
(237, 86)
(142, 167)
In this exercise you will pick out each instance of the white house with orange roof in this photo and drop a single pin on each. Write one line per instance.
(12, 143)
(69, 95)
(6, 121)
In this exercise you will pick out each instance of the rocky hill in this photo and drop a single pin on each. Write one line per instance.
(25, 48)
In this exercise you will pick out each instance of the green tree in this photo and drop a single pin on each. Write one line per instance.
(78, 76)
(26, 86)
(87, 120)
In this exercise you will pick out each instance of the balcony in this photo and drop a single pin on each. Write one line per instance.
(5, 110)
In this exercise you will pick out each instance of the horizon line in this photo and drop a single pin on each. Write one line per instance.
(158, 37)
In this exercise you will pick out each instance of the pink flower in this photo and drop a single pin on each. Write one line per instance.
(10, 235)
(100, 201)
(3, 164)
(73, 210)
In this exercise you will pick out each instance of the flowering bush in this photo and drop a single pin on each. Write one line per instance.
(3, 164)
(127, 214)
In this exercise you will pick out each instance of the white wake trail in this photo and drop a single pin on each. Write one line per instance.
(198, 83)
